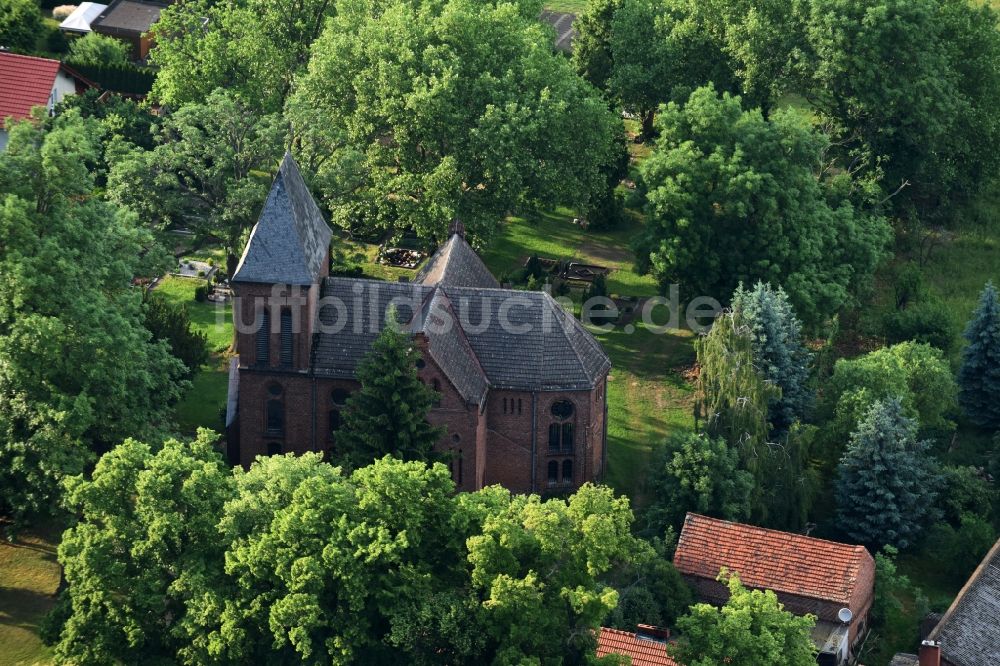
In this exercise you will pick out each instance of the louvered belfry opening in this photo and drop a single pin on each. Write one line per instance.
(264, 339)
(287, 339)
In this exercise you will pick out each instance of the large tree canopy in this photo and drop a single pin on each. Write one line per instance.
(208, 171)
(253, 48)
(734, 198)
(77, 367)
(913, 85)
(414, 113)
(176, 557)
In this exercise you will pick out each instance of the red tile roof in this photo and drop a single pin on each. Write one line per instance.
(769, 559)
(25, 82)
(643, 651)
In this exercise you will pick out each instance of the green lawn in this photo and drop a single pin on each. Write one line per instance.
(29, 576)
(553, 235)
(202, 406)
(570, 6)
(213, 319)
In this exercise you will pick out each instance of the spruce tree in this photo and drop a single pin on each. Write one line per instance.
(979, 376)
(778, 351)
(388, 414)
(887, 485)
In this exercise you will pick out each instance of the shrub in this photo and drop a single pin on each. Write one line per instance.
(55, 41)
(927, 322)
(201, 293)
(957, 552)
(95, 49)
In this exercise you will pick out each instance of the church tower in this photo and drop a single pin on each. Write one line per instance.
(277, 285)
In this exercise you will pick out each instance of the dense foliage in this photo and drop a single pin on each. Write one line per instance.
(979, 376)
(916, 374)
(388, 414)
(252, 48)
(751, 628)
(78, 370)
(100, 50)
(886, 483)
(208, 171)
(415, 113)
(734, 197)
(698, 473)
(176, 557)
(20, 23)
(171, 323)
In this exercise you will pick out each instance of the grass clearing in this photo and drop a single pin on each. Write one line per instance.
(29, 577)
(568, 6)
(202, 406)
(215, 320)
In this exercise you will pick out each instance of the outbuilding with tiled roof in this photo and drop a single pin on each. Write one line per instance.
(643, 649)
(833, 581)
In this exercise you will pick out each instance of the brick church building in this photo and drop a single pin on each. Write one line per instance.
(522, 384)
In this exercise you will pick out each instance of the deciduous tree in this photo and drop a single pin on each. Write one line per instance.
(208, 171)
(78, 369)
(20, 24)
(414, 113)
(752, 628)
(734, 198)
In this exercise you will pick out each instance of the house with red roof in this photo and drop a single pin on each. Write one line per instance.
(645, 647)
(27, 82)
(833, 581)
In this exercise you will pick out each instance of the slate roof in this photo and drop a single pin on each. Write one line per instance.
(456, 264)
(643, 651)
(545, 348)
(969, 633)
(127, 17)
(773, 560)
(903, 659)
(290, 241)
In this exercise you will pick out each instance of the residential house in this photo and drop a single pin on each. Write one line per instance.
(27, 82)
(833, 581)
(522, 383)
(130, 21)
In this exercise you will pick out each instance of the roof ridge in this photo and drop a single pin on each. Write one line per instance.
(983, 567)
(854, 547)
(464, 338)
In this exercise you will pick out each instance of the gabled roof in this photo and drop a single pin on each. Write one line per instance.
(25, 82)
(449, 347)
(127, 17)
(552, 351)
(643, 651)
(290, 241)
(773, 560)
(82, 17)
(456, 264)
(969, 633)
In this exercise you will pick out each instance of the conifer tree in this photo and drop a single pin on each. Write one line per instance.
(388, 414)
(979, 376)
(886, 485)
(778, 350)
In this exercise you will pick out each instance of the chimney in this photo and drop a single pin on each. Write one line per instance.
(655, 633)
(930, 653)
